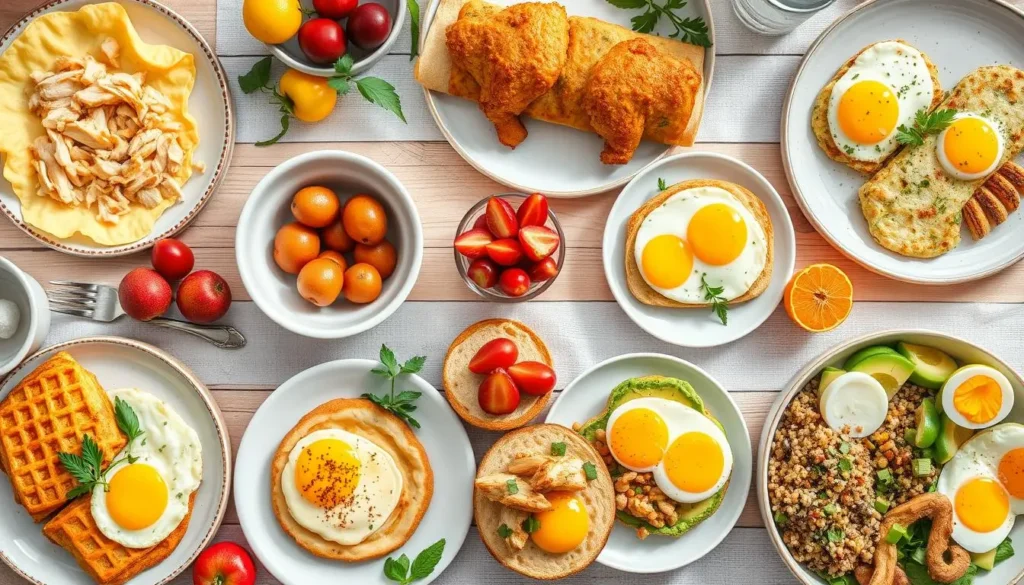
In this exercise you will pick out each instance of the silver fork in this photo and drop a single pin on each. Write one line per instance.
(100, 303)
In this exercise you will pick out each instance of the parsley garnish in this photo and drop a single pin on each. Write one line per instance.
(400, 570)
(924, 124)
(400, 404)
(512, 487)
(590, 470)
(558, 449)
(531, 525)
(87, 468)
(689, 30)
(718, 304)
(504, 531)
(661, 184)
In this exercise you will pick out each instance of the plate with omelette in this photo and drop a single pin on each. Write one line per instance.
(902, 138)
(336, 484)
(118, 125)
(563, 98)
(116, 465)
(698, 249)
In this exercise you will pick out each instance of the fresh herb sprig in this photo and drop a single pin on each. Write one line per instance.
(401, 404)
(924, 124)
(87, 468)
(714, 294)
(403, 571)
(689, 30)
(414, 26)
(662, 185)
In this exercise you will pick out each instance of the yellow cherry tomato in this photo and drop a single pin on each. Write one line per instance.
(313, 98)
(272, 21)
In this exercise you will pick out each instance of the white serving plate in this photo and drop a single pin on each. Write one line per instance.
(209, 103)
(125, 363)
(587, 396)
(959, 36)
(555, 160)
(698, 327)
(442, 435)
(1009, 571)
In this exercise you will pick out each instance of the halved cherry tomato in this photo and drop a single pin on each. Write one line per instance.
(496, 353)
(501, 218)
(483, 272)
(534, 378)
(543, 270)
(506, 251)
(473, 244)
(538, 242)
(498, 393)
(533, 210)
(514, 282)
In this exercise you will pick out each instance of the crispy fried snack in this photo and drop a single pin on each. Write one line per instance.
(863, 575)
(940, 510)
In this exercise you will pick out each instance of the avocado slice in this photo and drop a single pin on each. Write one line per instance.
(862, 354)
(890, 369)
(985, 560)
(827, 376)
(931, 366)
(669, 389)
(951, 436)
(928, 424)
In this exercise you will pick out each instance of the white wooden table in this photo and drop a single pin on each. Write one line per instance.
(577, 315)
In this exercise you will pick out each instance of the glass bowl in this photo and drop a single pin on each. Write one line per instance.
(495, 294)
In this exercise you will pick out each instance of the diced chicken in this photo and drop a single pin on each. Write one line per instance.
(93, 71)
(199, 166)
(95, 96)
(106, 169)
(498, 488)
(60, 89)
(86, 132)
(513, 521)
(111, 51)
(149, 197)
(56, 119)
(170, 188)
(548, 473)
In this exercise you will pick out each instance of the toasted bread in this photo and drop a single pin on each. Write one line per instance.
(461, 385)
(363, 418)
(598, 497)
(643, 292)
(819, 114)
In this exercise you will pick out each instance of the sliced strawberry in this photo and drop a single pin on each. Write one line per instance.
(501, 218)
(481, 223)
(543, 270)
(538, 242)
(533, 211)
(473, 244)
(483, 272)
(506, 251)
(534, 378)
(496, 353)
(514, 282)
(498, 393)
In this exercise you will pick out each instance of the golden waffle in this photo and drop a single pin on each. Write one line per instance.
(106, 561)
(49, 412)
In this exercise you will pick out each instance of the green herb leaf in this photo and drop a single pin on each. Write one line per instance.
(427, 560)
(645, 23)
(126, 419)
(407, 396)
(512, 487)
(590, 470)
(77, 467)
(531, 524)
(835, 534)
(387, 358)
(504, 531)
(257, 78)
(628, 4)
(414, 26)
(845, 465)
(661, 184)
(414, 364)
(1004, 550)
(393, 570)
(339, 84)
(558, 449)
(79, 490)
(344, 65)
(401, 404)
(689, 30)
(377, 91)
(718, 304)
(780, 519)
(924, 124)
(285, 120)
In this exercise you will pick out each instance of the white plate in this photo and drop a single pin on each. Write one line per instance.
(697, 327)
(959, 36)
(555, 160)
(587, 395)
(209, 103)
(124, 363)
(442, 435)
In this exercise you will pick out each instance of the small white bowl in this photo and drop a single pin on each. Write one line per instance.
(34, 324)
(267, 209)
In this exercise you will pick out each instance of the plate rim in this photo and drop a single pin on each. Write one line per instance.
(219, 171)
(724, 392)
(428, 97)
(211, 405)
(798, 195)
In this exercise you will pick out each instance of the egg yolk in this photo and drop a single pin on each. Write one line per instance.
(327, 472)
(982, 504)
(694, 462)
(1011, 472)
(978, 399)
(666, 261)
(717, 233)
(137, 496)
(971, 145)
(868, 112)
(639, 438)
(564, 526)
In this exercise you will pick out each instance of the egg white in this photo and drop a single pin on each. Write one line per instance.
(854, 404)
(948, 165)
(673, 217)
(945, 398)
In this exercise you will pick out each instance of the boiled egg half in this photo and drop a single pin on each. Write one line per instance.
(976, 397)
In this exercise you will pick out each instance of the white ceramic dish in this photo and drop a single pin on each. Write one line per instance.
(124, 363)
(34, 315)
(697, 327)
(267, 209)
(554, 160)
(587, 396)
(959, 36)
(442, 435)
(1006, 573)
(209, 103)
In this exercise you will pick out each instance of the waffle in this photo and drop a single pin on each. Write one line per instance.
(49, 412)
(106, 561)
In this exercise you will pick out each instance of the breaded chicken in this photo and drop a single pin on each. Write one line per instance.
(637, 90)
(515, 55)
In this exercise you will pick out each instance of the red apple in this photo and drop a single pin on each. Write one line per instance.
(204, 297)
(144, 294)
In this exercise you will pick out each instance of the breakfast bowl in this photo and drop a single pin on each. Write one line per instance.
(909, 467)
(467, 261)
(267, 210)
(33, 315)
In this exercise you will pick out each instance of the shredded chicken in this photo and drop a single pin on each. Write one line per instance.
(109, 142)
(547, 473)
(498, 488)
(513, 520)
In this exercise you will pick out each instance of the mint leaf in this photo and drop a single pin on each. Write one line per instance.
(414, 26)
(339, 84)
(377, 91)
(393, 571)
(257, 78)
(414, 364)
(344, 65)
(427, 560)
(1004, 550)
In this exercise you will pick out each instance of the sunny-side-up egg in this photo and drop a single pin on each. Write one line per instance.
(564, 526)
(885, 87)
(985, 482)
(340, 485)
(149, 497)
(970, 147)
(976, 397)
(687, 453)
(700, 231)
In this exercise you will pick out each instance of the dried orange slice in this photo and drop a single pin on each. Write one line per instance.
(819, 297)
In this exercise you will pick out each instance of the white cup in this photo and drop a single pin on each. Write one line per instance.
(34, 324)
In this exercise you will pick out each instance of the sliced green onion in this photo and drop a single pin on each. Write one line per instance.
(881, 505)
(830, 509)
(896, 533)
(922, 467)
(781, 519)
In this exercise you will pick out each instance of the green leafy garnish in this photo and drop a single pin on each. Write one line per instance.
(689, 30)
(780, 519)
(414, 26)
(403, 572)
(558, 449)
(835, 534)
(257, 78)
(661, 184)
(1004, 550)
(845, 465)
(87, 468)
(590, 470)
(718, 304)
(924, 124)
(830, 508)
(401, 404)
(531, 524)
(504, 531)
(512, 487)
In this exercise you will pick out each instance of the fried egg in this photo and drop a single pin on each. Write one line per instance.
(687, 453)
(701, 232)
(970, 147)
(976, 397)
(885, 87)
(564, 526)
(147, 496)
(340, 485)
(985, 482)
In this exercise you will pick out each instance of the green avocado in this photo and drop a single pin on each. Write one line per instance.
(669, 389)
(890, 369)
(862, 354)
(951, 436)
(828, 375)
(985, 560)
(931, 366)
